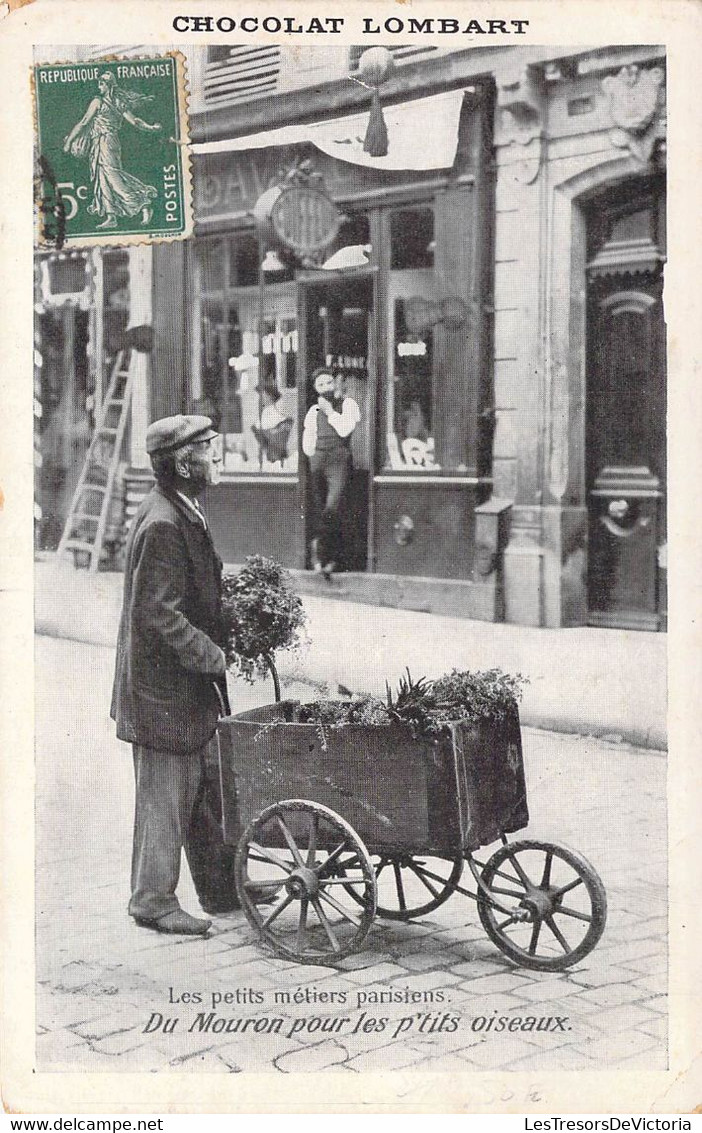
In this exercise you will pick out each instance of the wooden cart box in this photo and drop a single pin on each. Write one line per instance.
(457, 793)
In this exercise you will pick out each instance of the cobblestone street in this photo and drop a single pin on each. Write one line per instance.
(109, 992)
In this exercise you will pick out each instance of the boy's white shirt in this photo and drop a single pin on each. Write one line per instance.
(343, 423)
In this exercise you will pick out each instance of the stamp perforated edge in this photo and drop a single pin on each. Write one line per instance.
(120, 240)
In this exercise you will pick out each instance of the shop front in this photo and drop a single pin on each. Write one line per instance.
(387, 284)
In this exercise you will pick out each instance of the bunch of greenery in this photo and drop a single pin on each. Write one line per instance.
(360, 710)
(426, 706)
(262, 614)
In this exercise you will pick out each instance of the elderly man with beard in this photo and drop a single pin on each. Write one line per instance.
(170, 666)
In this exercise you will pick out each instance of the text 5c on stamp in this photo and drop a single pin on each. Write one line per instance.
(112, 141)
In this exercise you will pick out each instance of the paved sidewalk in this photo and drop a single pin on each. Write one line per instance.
(107, 988)
(607, 683)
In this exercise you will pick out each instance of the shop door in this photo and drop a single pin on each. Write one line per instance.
(626, 417)
(337, 329)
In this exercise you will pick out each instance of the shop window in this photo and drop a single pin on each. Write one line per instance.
(409, 401)
(353, 234)
(258, 418)
(243, 261)
(412, 238)
(411, 439)
(429, 379)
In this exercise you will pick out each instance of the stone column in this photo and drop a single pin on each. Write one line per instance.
(519, 333)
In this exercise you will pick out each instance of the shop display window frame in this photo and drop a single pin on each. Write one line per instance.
(280, 310)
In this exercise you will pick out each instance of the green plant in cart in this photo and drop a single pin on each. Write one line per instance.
(262, 615)
(427, 706)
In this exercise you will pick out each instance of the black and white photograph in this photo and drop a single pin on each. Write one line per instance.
(350, 553)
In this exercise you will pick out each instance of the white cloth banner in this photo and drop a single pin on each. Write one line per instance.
(422, 134)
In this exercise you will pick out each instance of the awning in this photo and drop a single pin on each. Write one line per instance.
(422, 134)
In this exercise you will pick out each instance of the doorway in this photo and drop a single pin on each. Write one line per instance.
(626, 410)
(337, 329)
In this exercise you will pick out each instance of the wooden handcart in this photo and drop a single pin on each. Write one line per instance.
(337, 825)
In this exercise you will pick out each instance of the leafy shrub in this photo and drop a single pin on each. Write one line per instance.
(426, 706)
(262, 614)
(361, 710)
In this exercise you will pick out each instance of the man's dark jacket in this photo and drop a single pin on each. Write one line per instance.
(167, 660)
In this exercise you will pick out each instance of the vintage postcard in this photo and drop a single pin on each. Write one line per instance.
(341, 472)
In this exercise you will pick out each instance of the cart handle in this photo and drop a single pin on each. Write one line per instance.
(220, 700)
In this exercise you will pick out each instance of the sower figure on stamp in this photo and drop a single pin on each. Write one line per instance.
(115, 191)
(169, 659)
(326, 441)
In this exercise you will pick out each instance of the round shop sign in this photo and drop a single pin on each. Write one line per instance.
(305, 219)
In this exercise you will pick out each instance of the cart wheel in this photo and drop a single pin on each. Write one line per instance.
(558, 904)
(405, 880)
(291, 852)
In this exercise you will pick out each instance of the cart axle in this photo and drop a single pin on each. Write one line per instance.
(302, 882)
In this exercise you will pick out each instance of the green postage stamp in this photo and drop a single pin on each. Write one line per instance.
(112, 141)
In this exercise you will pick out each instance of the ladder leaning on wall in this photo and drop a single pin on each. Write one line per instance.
(84, 533)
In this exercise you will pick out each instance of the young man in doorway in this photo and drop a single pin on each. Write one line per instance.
(326, 442)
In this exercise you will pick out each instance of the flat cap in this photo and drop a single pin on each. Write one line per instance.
(171, 433)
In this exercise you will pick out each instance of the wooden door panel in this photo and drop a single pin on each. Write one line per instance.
(626, 441)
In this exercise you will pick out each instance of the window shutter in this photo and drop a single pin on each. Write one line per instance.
(238, 74)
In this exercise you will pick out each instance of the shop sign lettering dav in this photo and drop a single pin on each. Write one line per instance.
(305, 219)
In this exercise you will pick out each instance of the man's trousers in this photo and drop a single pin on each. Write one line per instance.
(330, 472)
(177, 807)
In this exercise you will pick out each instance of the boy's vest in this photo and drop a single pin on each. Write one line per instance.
(328, 440)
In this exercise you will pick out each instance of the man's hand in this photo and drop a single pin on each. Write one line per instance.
(324, 405)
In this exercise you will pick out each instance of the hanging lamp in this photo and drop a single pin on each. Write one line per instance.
(374, 68)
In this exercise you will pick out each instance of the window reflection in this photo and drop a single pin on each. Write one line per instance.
(410, 408)
(256, 414)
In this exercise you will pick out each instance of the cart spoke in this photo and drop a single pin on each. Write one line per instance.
(506, 892)
(312, 844)
(345, 881)
(292, 844)
(345, 913)
(261, 854)
(302, 926)
(400, 887)
(419, 867)
(350, 863)
(568, 912)
(500, 873)
(271, 883)
(519, 869)
(424, 880)
(557, 933)
(276, 911)
(331, 858)
(503, 924)
(546, 875)
(534, 937)
(567, 888)
(325, 924)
